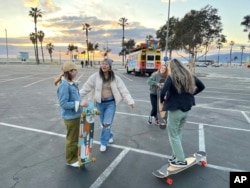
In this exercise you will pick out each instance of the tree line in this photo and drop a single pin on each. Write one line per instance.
(197, 32)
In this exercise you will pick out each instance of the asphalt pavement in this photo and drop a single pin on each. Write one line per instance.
(32, 133)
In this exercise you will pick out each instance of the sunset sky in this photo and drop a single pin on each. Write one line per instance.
(62, 21)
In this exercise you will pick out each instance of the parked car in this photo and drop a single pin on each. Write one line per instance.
(216, 65)
(200, 64)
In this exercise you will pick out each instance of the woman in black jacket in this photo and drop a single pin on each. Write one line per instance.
(178, 97)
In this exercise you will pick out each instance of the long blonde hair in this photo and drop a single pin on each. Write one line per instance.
(182, 78)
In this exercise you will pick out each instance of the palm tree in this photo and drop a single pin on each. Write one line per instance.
(123, 23)
(219, 46)
(242, 48)
(231, 44)
(40, 35)
(96, 46)
(86, 27)
(148, 38)
(246, 23)
(35, 13)
(50, 48)
(71, 48)
(33, 39)
(106, 51)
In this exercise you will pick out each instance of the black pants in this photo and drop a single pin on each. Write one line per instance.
(153, 99)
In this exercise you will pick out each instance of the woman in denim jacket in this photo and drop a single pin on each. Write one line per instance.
(109, 90)
(69, 100)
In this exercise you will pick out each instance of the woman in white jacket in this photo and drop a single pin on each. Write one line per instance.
(109, 90)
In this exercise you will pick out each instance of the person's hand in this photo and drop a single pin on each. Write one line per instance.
(132, 106)
(84, 104)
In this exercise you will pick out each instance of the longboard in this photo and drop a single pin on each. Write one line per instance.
(161, 115)
(86, 135)
(167, 170)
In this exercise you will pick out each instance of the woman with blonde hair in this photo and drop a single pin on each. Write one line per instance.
(178, 96)
(154, 84)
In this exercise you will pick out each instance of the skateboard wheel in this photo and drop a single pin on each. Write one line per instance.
(169, 181)
(80, 163)
(93, 159)
(203, 163)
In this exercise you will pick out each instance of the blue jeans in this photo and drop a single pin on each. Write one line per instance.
(175, 122)
(107, 110)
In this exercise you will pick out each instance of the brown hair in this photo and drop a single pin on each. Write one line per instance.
(66, 75)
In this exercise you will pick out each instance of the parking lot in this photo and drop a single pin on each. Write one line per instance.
(32, 133)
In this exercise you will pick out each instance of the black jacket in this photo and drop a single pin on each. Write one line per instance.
(174, 101)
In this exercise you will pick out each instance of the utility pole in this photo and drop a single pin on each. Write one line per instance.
(166, 48)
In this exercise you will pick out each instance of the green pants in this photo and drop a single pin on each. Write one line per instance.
(72, 127)
(175, 122)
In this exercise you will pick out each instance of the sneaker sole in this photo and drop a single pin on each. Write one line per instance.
(179, 166)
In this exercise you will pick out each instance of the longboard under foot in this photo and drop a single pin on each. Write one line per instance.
(167, 170)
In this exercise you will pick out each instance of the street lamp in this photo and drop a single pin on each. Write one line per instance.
(166, 49)
(7, 45)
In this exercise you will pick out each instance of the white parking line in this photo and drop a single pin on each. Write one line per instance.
(125, 77)
(245, 115)
(229, 93)
(201, 138)
(125, 149)
(109, 169)
(15, 78)
(191, 122)
(38, 81)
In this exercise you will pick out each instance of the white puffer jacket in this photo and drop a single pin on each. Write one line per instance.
(94, 83)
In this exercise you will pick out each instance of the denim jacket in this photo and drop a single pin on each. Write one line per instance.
(68, 96)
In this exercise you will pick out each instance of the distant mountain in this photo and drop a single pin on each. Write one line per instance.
(225, 58)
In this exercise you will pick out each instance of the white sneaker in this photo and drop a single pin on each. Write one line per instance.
(103, 148)
(111, 141)
(75, 164)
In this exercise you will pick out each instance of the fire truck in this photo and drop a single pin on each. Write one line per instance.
(144, 59)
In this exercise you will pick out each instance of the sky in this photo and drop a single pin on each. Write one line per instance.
(62, 22)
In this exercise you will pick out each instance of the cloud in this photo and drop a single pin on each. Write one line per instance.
(50, 7)
(31, 3)
(46, 5)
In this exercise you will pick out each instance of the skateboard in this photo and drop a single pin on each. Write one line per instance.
(86, 135)
(166, 170)
(161, 115)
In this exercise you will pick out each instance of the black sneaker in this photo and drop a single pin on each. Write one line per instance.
(172, 159)
(178, 163)
(150, 120)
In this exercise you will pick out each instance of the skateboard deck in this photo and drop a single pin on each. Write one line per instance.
(161, 115)
(167, 170)
(86, 135)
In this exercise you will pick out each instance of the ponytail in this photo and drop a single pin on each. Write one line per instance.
(58, 79)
